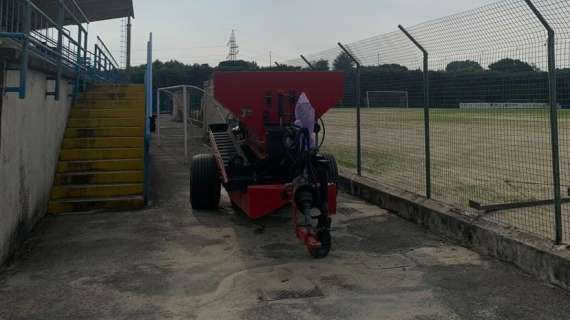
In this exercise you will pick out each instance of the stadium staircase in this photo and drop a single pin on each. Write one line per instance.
(101, 163)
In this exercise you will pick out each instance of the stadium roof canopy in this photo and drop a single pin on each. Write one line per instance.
(93, 10)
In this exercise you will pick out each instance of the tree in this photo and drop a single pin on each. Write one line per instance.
(466, 66)
(343, 62)
(281, 67)
(511, 65)
(392, 68)
(237, 65)
(321, 65)
(172, 73)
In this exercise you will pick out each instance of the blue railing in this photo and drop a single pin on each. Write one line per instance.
(148, 81)
(61, 41)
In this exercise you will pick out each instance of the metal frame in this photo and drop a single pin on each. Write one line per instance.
(528, 32)
(65, 52)
(185, 90)
(427, 131)
(307, 62)
(148, 114)
(554, 139)
(358, 106)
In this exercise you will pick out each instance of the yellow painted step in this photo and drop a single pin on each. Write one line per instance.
(98, 143)
(136, 89)
(110, 177)
(100, 165)
(138, 104)
(117, 88)
(101, 154)
(126, 94)
(96, 191)
(82, 205)
(105, 123)
(84, 113)
(104, 132)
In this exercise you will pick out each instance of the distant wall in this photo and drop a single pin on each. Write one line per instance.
(31, 132)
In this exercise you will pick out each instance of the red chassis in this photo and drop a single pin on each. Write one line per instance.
(259, 201)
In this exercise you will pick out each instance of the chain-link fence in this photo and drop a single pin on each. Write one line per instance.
(484, 127)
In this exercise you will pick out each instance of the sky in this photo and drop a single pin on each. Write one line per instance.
(197, 31)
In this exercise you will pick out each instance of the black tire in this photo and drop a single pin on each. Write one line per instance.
(205, 185)
(333, 167)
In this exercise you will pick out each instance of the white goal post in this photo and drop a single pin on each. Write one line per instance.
(387, 99)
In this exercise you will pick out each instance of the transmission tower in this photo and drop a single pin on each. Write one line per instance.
(233, 46)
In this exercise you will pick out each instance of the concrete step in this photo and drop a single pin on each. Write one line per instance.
(101, 154)
(103, 177)
(125, 94)
(110, 91)
(105, 123)
(85, 113)
(119, 104)
(100, 165)
(97, 191)
(98, 143)
(83, 205)
(104, 132)
(130, 88)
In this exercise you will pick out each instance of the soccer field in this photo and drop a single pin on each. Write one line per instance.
(490, 156)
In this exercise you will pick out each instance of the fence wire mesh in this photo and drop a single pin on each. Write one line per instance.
(491, 144)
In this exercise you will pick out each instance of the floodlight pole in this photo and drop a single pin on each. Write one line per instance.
(427, 141)
(307, 62)
(358, 123)
(555, 142)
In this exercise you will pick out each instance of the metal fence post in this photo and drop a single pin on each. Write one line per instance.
(25, 49)
(85, 52)
(553, 96)
(78, 61)
(157, 120)
(427, 141)
(148, 114)
(60, 23)
(96, 58)
(307, 62)
(185, 115)
(358, 123)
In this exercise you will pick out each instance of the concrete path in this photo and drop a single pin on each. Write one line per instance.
(167, 262)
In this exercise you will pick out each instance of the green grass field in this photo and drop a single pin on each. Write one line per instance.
(487, 155)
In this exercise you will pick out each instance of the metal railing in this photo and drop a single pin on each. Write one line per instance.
(59, 41)
(195, 105)
(485, 126)
(148, 82)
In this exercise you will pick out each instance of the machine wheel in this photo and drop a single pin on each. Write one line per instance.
(333, 167)
(205, 185)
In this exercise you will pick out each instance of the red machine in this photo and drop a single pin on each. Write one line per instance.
(264, 159)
